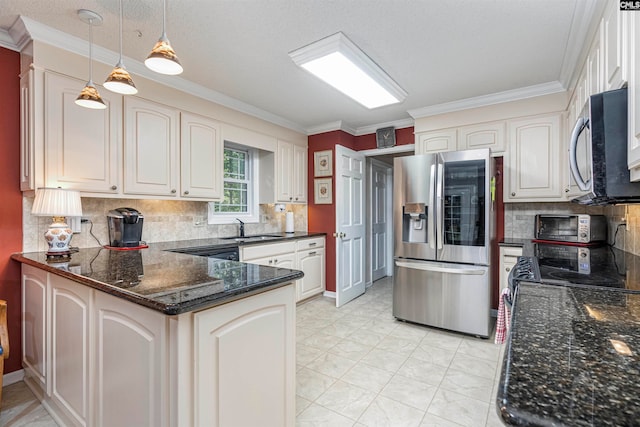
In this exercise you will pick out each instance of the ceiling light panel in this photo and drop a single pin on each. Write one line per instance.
(339, 62)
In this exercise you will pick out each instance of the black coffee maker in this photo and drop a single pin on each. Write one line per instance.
(125, 227)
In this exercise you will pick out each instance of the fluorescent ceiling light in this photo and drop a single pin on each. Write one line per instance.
(340, 63)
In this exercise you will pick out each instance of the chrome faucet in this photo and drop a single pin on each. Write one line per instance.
(241, 227)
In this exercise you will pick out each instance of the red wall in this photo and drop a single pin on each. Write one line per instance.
(322, 218)
(11, 200)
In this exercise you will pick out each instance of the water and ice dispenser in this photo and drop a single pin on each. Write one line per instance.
(414, 223)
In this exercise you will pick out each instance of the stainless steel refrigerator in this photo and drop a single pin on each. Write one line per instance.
(443, 227)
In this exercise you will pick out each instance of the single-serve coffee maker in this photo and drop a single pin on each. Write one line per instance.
(125, 227)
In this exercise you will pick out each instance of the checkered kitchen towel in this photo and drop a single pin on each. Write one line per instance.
(504, 317)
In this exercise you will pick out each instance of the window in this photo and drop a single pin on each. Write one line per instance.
(239, 195)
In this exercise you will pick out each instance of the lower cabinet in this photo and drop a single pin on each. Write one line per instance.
(508, 257)
(304, 254)
(96, 359)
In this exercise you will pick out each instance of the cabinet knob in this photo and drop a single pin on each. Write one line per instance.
(290, 199)
(508, 269)
(312, 253)
(173, 191)
(513, 194)
(566, 190)
(186, 192)
(296, 199)
(275, 261)
(270, 261)
(114, 187)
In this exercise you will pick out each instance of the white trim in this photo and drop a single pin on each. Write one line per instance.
(6, 41)
(330, 127)
(490, 99)
(329, 294)
(363, 130)
(12, 377)
(390, 150)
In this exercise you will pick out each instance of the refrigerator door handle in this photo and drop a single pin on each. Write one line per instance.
(440, 268)
(430, 211)
(439, 205)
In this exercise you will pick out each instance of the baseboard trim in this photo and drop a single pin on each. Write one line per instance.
(330, 294)
(12, 377)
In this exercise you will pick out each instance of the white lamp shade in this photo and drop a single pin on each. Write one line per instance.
(57, 202)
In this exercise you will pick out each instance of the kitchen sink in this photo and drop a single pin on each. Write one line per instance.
(253, 238)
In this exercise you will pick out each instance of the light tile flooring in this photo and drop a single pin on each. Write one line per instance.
(358, 366)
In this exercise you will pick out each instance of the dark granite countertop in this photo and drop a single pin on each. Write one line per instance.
(170, 282)
(516, 243)
(572, 358)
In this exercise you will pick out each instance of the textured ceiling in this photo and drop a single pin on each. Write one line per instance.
(439, 51)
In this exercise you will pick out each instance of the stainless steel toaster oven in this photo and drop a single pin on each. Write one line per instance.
(572, 228)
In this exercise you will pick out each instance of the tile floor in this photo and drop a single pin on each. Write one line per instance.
(358, 366)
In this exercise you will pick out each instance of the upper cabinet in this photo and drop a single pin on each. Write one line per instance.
(150, 148)
(201, 157)
(535, 160)
(291, 173)
(81, 144)
(484, 135)
(633, 154)
(614, 39)
(436, 141)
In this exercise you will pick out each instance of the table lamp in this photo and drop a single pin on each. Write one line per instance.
(57, 203)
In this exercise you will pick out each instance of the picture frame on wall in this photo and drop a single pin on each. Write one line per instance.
(323, 194)
(322, 163)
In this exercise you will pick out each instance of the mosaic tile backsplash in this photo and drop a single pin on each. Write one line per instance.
(186, 220)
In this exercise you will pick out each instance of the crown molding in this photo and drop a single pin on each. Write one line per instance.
(584, 25)
(34, 30)
(330, 127)
(6, 41)
(398, 124)
(491, 99)
(364, 130)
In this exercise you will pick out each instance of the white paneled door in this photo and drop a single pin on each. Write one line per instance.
(379, 221)
(350, 225)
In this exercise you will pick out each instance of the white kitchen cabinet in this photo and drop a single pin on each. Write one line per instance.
(151, 152)
(594, 68)
(307, 255)
(614, 39)
(131, 364)
(436, 141)
(291, 173)
(244, 362)
(201, 149)
(34, 329)
(95, 359)
(483, 135)
(82, 145)
(633, 50)
(70, 349)
(508, 258)
(535, 160)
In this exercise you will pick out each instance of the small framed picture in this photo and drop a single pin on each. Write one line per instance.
(322, 164)
(323, 193)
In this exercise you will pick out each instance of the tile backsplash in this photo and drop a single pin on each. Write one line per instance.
(164, 220)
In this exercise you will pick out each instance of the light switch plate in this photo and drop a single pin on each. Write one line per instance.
(280, 207)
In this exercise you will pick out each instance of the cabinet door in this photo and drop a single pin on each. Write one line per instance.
(300, 174)
(284, 172)
(613, 31)
(130, 375)
(312, 264)
(27, 132)
(484, 135)
(70, 352)
(633, 154)
(34, 317)
(433, 142)
(150, 148)
(594, 69)
(508, 258)
(201, 157)
(535, 157)
(244, 370)
(81, 144)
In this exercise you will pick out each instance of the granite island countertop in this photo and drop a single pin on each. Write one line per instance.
(170, 282)
(572, 358)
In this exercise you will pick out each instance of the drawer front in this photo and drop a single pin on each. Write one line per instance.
(316, 242)
(260, 251)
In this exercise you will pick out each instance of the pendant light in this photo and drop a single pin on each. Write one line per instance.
(119, 80)
(89, 97)
(162, 58)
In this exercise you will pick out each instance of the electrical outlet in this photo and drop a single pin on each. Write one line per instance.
(280, 207)
(199, 222)
(74, 224)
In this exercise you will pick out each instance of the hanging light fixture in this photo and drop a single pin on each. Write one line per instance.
(162, 58)
(119, 80)
(89, 97)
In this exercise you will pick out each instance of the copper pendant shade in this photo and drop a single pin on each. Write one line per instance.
(163, 58)
(119, 80)
(89, 96)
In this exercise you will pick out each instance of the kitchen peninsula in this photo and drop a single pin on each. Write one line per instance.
(154, 337)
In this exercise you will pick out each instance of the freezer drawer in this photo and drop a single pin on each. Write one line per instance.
(450, 296)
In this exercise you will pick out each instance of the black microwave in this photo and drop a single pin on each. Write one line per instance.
(572, 228)
(598, 152)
